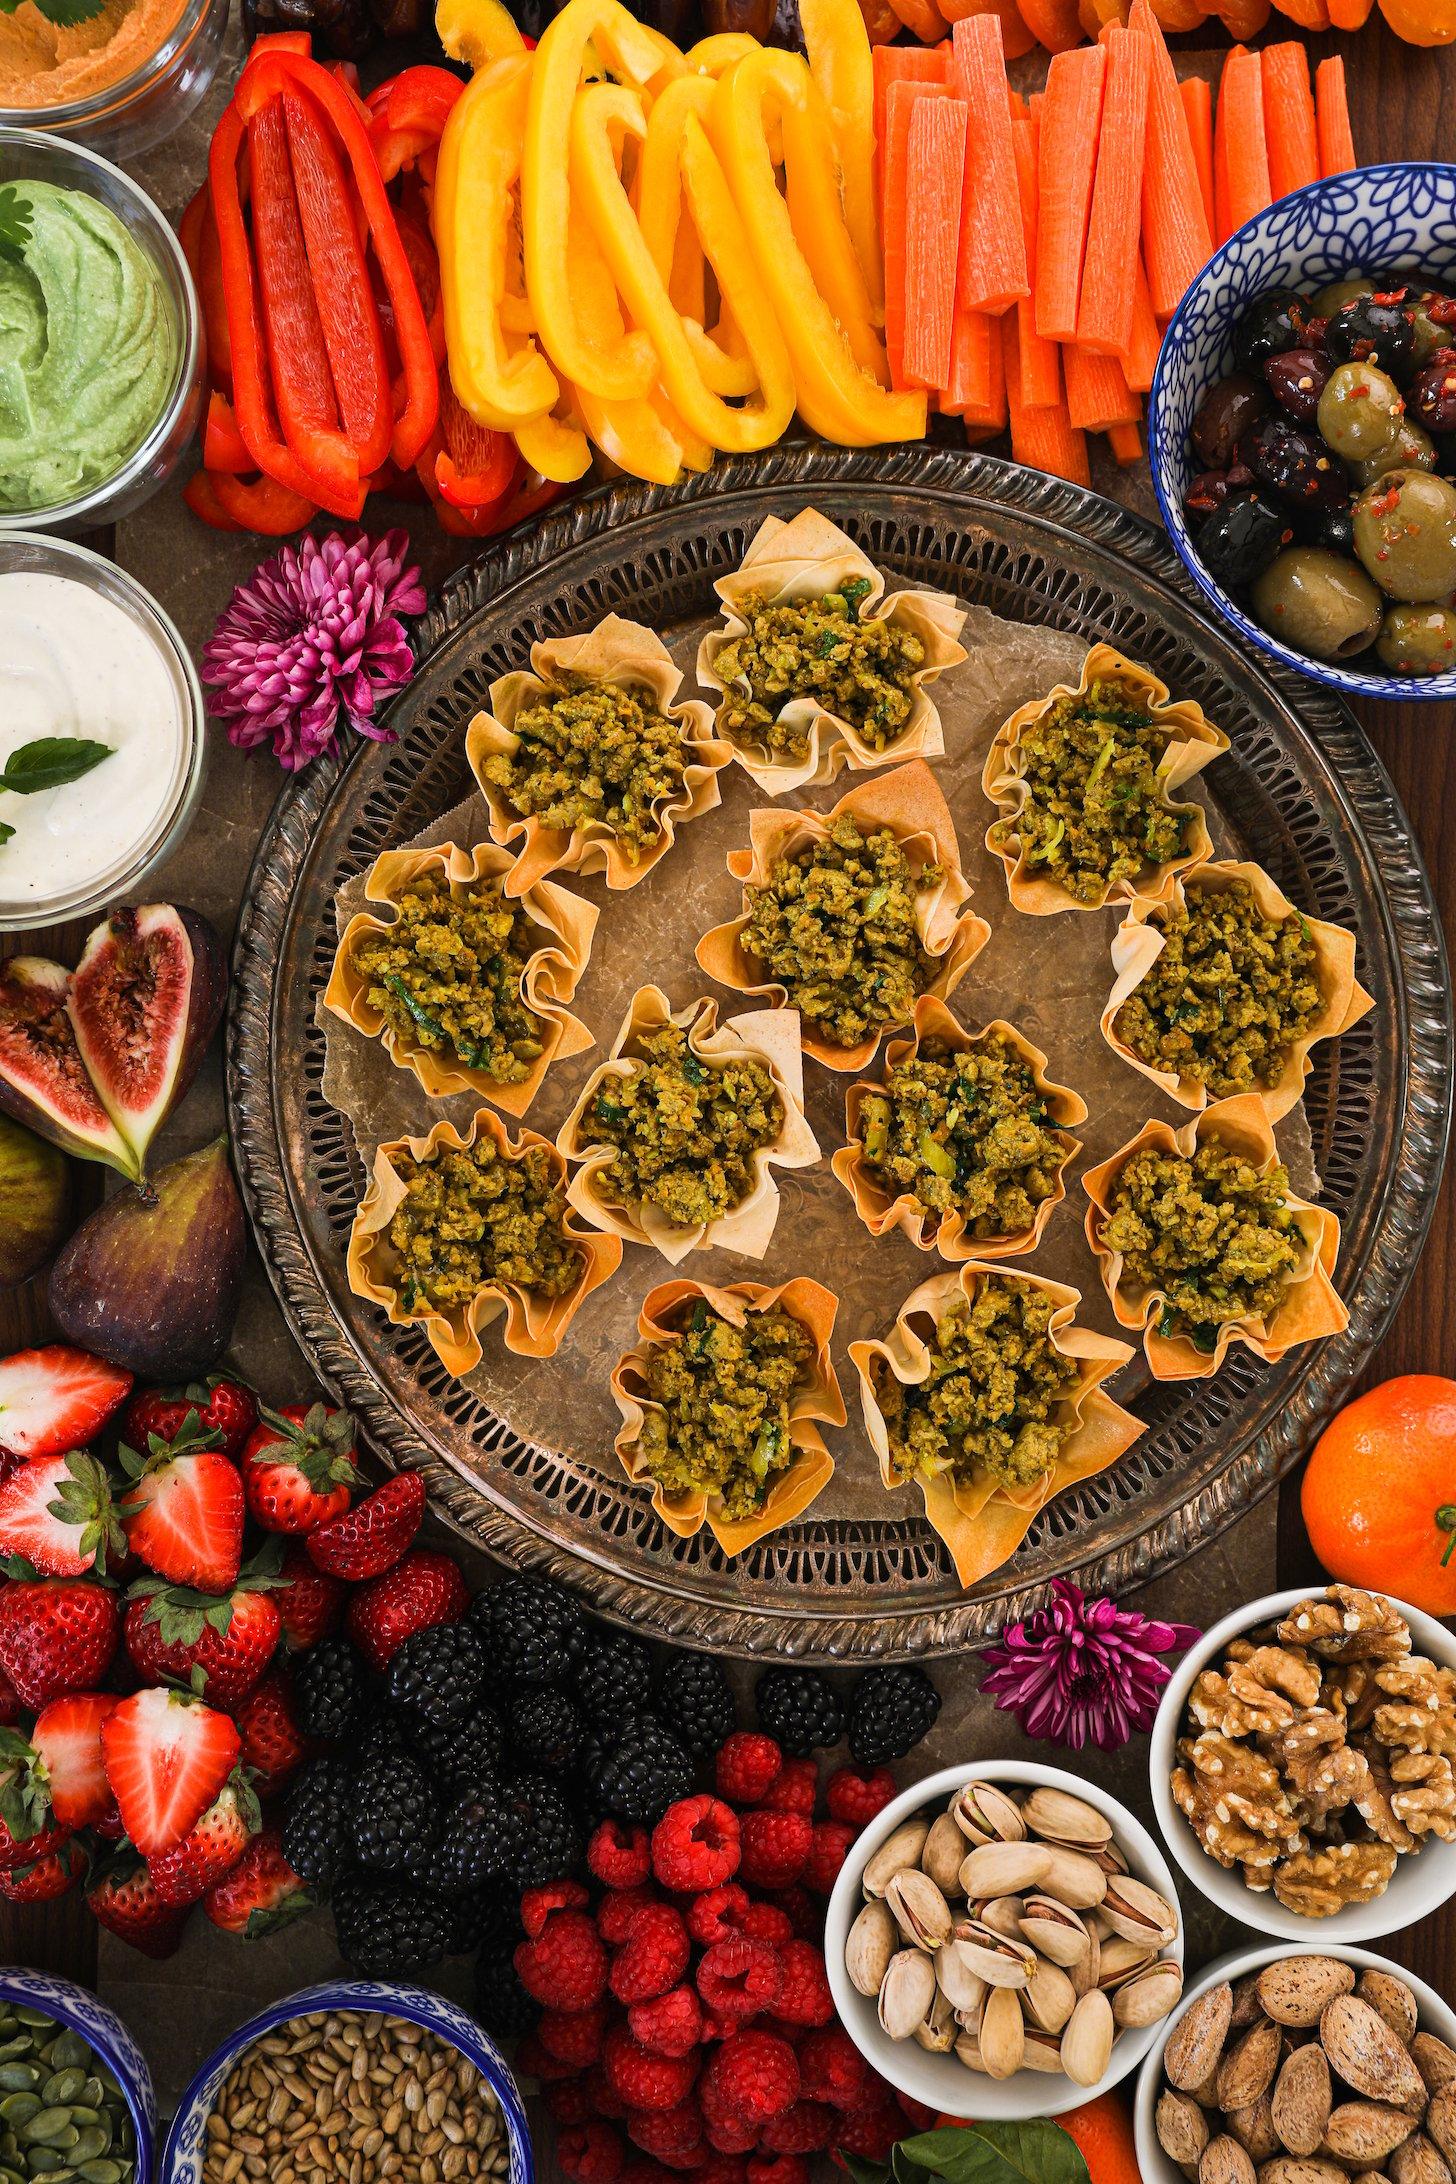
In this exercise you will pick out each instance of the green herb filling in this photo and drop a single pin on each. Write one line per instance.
(724, 1391)
(820, 649)
(469, 1218)
(590, 751)
(992, 1405)
(1210, 1231)
(446, 976)
(685, 1130)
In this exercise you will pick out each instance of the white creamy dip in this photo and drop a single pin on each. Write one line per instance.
(73, 663)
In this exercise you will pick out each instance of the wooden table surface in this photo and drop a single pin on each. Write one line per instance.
(1403, 106)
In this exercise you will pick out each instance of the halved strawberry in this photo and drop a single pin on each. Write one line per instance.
(274, 1746)
(167, 1756)
(369, 1538)
(309, 1603)
(55, 1398)
(28, 1826)
(184, 1512)
(123, 1900)
(56, 1874)
(262, 1891)
(298, 1467)
(57, 1512)
(57, 1634)
(67, 1735)
(218, 1643)
(186, 1871)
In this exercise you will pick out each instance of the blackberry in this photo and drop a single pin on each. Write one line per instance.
(798, 1709)
(640, 1773)
(546, 1731)
(467, 1853)
(890, 1710)
(501, 2002)
(393, 1813)
(329, 1683)
(694, 1699)
(488, 1920)
(537, 1836)
(613, 1678)
(465, 1757)
(438, 1675)
(532, 1631)
(317, 1838)
(385, 1930)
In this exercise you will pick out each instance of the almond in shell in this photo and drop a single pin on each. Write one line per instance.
(1289, 2169)
(1302, 2099)
(1435, 2061)
(1440, 2122)
(1365, 2052)
(1391, 1999)
(1197, 2040)
(1181, 2126)
(1248, 2067)
(1224, 2162)
(1364, 2133)
(1253, 2127)
(1296, 1989)
(1416, 2161)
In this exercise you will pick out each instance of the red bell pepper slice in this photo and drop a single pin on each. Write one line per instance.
(408, 114)
(223, 446)
(201, 498)
(262, 505)
(197, 233)
(339, 274)
(475, 466)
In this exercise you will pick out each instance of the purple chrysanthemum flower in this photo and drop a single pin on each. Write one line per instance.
(313, 632)
(1082, 1671)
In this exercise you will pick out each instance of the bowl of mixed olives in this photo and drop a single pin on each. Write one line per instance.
(1303, 431)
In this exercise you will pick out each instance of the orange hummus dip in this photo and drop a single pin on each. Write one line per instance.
(45, 64)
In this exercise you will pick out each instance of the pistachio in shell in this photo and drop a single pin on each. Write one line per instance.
(968, 2051)
(1074, 1879)
(945, 1847)
(1002, 2033)
(1121, 1958)
(1054, 1930)
(958, 1980)
(1087, 2039)
(1136, 1912)
(1365, 2052)
(900, 1849)
(1391, 1999)
(1055, 1816)
(1147, 1997)
(906, 1993)
(1364, 2133)
(1181, 2126)
(994, 1957)
(936, 2032)
(1197, 2040)
(918, 1908)
(1042, 2051)
(1247, 2068)
(1302, 2098)
(1295, 1990)
(872, 1941)
(1223, 2161)
(1003, 1914)
(1086, 1972)
(1048, 1997)
(985, 1814)
(1004, 1869)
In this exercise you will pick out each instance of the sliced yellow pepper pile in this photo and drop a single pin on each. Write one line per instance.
(599, 200)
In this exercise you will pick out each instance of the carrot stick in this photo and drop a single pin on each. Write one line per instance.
(1288, 119)
(1240, 152)
(1126, 443)
(1109, 274)
(1016, 38)
(992, 269)
(977, 386)
(1098, 396)
(1071, 114)
(1043, 439)
(1332, 116)
(904, 96)
(902, 64)
(1142, 351)
(937, 160)
(1198, 113)
(1040, 376)
(1177, 234)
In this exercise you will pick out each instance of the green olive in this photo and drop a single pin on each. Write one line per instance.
(1430, 334)
(1317, 602)
(1359, 411)
(1329, 300)
(1411, 449)
(1405, 534)
(1418, 640)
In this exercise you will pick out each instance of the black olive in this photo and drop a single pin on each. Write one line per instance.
(1225, 414)
(1331, 527)
(1209, 490)
(1432, 396)
(1276, 322)
(1296, 465)
(1240, 539)
(1374, 330)
(1297, 380)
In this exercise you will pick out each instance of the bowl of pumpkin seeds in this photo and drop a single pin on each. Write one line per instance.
(76, 2100)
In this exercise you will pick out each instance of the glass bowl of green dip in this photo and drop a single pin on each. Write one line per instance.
(100, 329)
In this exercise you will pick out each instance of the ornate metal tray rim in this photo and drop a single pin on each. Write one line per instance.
(1376, 816)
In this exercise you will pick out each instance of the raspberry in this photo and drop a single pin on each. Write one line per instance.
(616, 1912)
(573, 2036)
(644, 2080)
(855, 1798)
(728, 2134)
(618, 1855)
(871, 2130)
(802, 1912)
(747, 1767)
(717, 1913)
(537, 1904)
(717, 2028)
(591, 2153)
(722, 2169)
(533, 2059)
(766, 1922)
(637, 2169)
(776, 1848)
(569, 2102)
(796, 1790)
(672, 2136)
(764, 2168)
(604, 2098)
(804, 1997)
(565, 1966)
(670, 2024)
(832, 2069)
(653, 1957)
(833, 1841)
(695, 1845)
(739, 1979)
(806, 2128)
(751, 2077)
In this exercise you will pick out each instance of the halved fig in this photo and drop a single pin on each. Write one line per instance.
(44, 1081)
(144, 1001)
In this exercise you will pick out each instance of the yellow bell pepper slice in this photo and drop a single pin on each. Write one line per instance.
(556, 445)
(671, 235)
(712, 56)
(637, 435)
(477, 31)
(841, 65)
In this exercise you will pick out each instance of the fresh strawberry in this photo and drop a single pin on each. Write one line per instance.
(309, 1603)
(67, 1735)
(369, 1538)
(219, 1644)
(167, 1756)
(56, 1874)
(123, 1900)
(261, 1892)
(274, 1745)
(57, 1512)
(184, 1512)
(187, 1871)
(11, 1707)
(299, 1468)
(57, 1634)
(423, 1589)
(55, 1398)
(28, 1826)
(225, 1409)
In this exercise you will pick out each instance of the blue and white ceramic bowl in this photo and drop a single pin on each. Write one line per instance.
(182, 2155)
(77, 2007)
(1373, 220)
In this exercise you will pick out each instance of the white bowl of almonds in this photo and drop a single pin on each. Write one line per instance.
(1301, 2065)
(1302, 1765)
(1003, 1941)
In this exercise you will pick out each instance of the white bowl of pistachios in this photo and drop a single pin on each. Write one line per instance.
(1004, 1941)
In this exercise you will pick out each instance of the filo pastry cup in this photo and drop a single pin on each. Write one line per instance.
(1308, 1308)
(549, 978)
(626, 656)
(534, 1325)
(768, 1036)
(909, 803)
(1139, 941)
(934, 1026)
(1195, 742)
(981, 1521)
(665, 1312)
(806, 559)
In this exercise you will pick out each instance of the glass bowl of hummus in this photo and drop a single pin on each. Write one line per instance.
(119, 82)
(101, 344)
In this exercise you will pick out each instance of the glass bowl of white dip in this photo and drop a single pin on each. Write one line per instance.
(86, 654)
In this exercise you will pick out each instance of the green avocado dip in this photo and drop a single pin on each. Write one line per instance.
(1095, 813)
(88, 349)
(1229, 994)
(446, 976)
(834, 924)
(473, 1217)
(593, 752)
(685, 1130)
(1210, 1231)
(820, 649)
(965, 1133)
(989, 1406)
(723, 1428)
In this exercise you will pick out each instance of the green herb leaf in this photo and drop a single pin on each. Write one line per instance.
(15, 217)
(50, 762)
(1036, 2152)
(7, 834)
